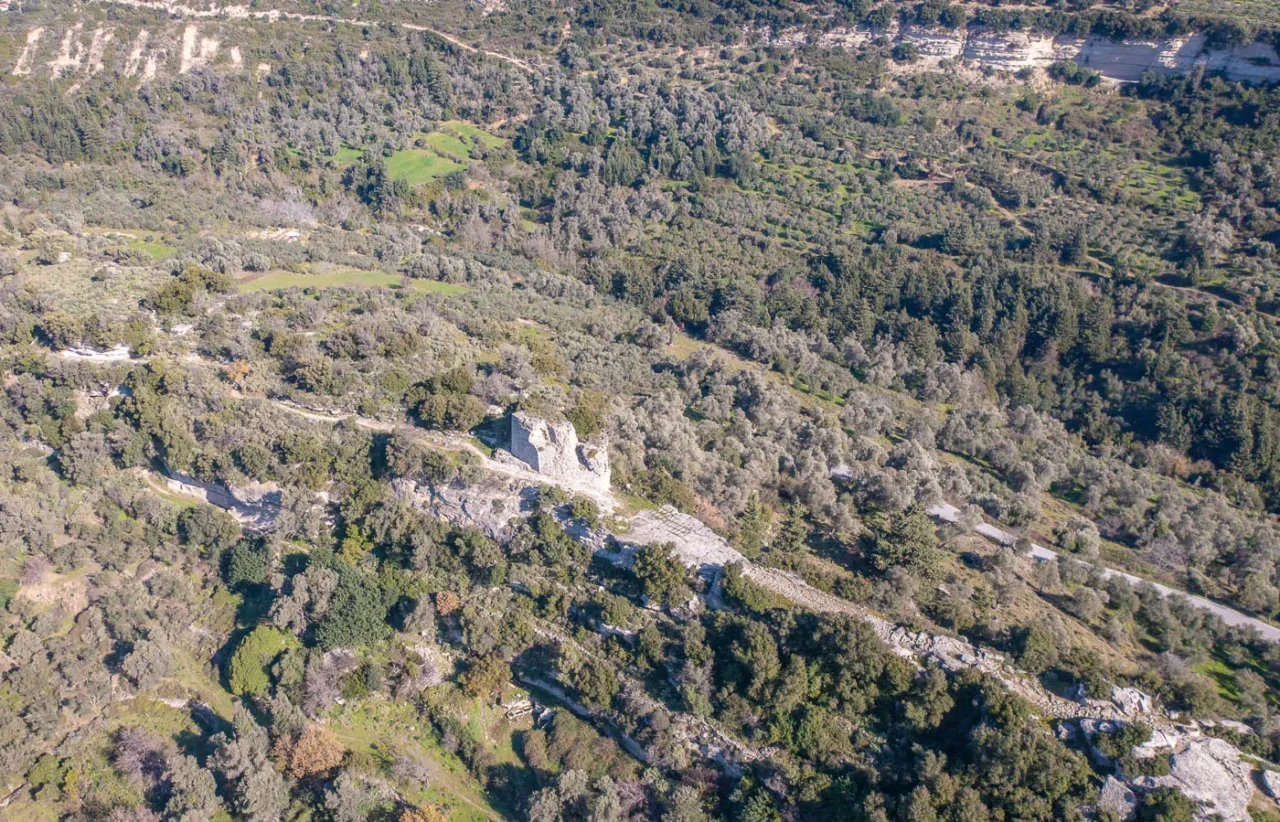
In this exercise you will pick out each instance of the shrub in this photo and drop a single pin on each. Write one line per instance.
(662, 577)
(247, 670)
(316, 751)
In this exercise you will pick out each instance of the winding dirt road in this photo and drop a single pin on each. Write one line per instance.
(272, 15)
(949, 513)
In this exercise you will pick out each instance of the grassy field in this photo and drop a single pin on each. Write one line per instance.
(385, 730)
(351, 278)
(448, 143)
(149, 242)
(348, 155)
(1223, 677)
(474, 133)
(437, 153)
(155, 250)
(419, 165)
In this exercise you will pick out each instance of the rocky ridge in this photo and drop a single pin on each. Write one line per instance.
(1208, 770)
(195, 41)
(1203, 768)
(1121, 61)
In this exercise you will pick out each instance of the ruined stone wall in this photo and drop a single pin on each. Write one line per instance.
(552, 449)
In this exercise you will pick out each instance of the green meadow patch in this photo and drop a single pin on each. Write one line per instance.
(434, 155)
(155, 250)
(348, 155)
(447, 143)
(349, 278)
(419, 165)
(474, 133)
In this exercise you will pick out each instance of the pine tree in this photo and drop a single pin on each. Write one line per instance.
(753, 527)
(1173, 427)
(1097, 329)
(661, 575)
(794, 532)
(910, 543)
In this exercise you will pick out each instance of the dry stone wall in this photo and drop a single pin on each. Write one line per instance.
(255, 504)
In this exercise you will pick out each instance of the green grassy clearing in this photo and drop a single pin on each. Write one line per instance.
(348, 155)
(1222, 677)
(151, 243)
(447, 143)
(419, 165)
(428, 161)
(473, 133)
(383, 729)
(273, 280)
(155, 250)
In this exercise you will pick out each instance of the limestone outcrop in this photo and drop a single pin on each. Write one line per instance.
(1211, 772)
(1270, 782)
(552, 450)
(1117, 798)
(255, 504)
(696, 545)
(1119, 60)
(1207, 770)
(489, 505)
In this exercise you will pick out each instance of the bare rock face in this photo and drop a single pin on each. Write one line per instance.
(1117, 798)
(255, 504)
(552, 449)
(1120, 60)
(489, 505)
(933, 41)
(1209, 771)
(1270, 782)
(1013, 50)
(1131, 701)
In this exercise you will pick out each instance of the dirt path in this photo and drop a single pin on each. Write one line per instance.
(949, 513)
(509, 467)
(273, 15)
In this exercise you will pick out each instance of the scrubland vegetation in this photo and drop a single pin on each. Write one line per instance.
(801, 296)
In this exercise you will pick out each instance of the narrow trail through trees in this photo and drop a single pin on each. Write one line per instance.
(949, 513)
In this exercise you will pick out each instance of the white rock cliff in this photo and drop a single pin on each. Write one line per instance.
(1119, 60)
(552, 449)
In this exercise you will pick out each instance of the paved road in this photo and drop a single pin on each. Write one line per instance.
(949, 513)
